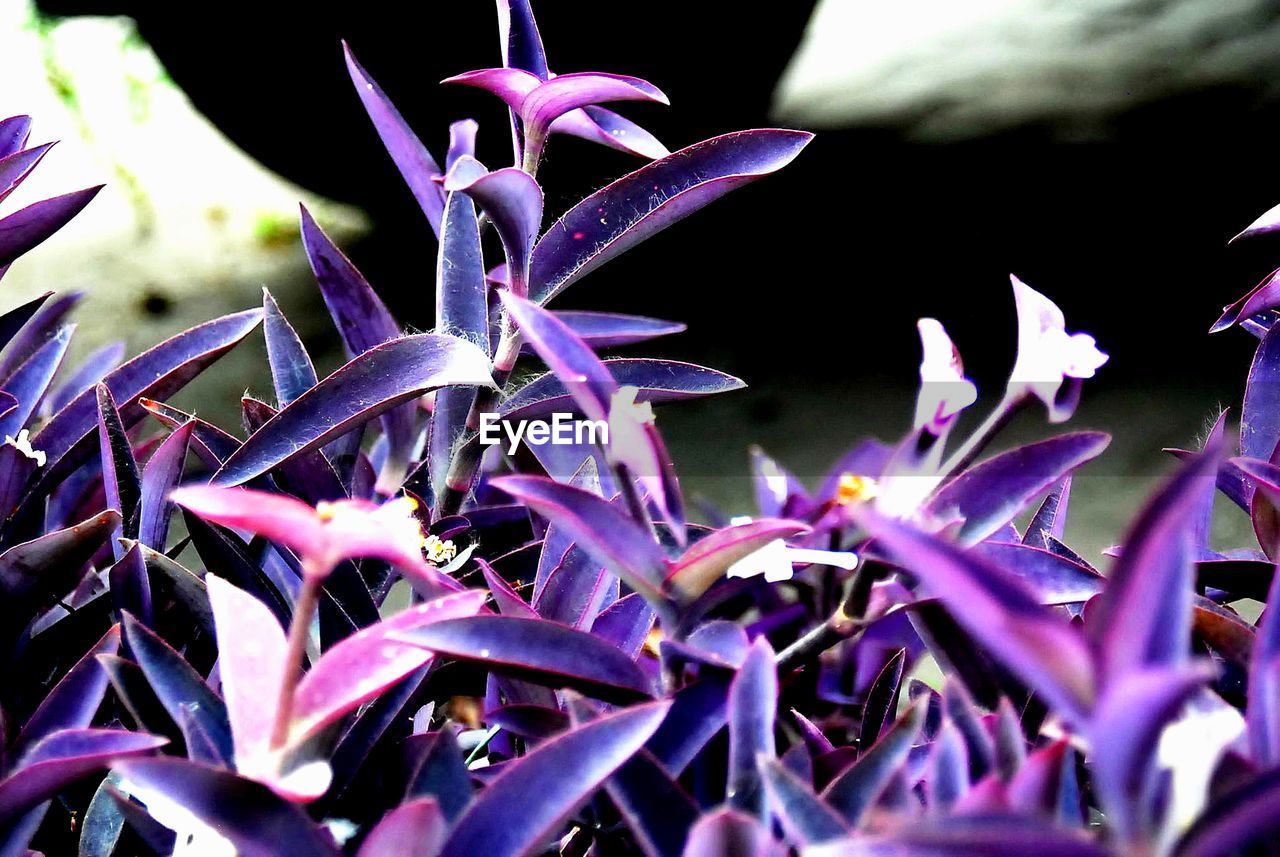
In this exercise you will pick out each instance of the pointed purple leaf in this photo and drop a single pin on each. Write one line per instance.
(989, 495)
(255, 820)
(28, 227)
(1054, 579)
(30, 381)
(90, 371)
(157, 373)
(598, 527)
(120, 477)
(1143, 618)
(15, 129)
(625, 623)
(368, 386)
(72, 702)
(753, 705)
(62, 758)
(611, 329)
(415, 828)
(542, 652)
(652, 198)
(802, 814)
(160, 475)
(419, 170)
(563, 772)
(292, 372)
(15, 319)
(14, 168)
(726, 833)
(997, 608)
(656, 380)
(856, 789)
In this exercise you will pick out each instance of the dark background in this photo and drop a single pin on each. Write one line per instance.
(818, 272)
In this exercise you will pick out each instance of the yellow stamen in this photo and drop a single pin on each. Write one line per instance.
(852, 490)
(325, 511)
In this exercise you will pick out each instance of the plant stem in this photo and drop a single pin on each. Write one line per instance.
(985, 433)
(844, 623)
(304, 610)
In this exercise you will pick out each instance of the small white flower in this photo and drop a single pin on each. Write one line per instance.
(776, 559)
(439, 552)
(23, 444)
(1047, 354)
(944, 390)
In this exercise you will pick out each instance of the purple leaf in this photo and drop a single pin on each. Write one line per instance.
(1123, 734)
(367, 663)
(625, 623)
(1260, 415)
(15, 319)
(562, 772)
(441, 773)
(998, 609)
(576, 590)
(648, 200)
(72, 702)
(30, 381)
(462, 309)
(542, 652)
(726, 833)
(566, 92)
(415, 828)
(607, 128)
(252, 658)
(15, 130)
(364, 323)
(753, 705)
(419, 169)
(573, 363)
(698, 712)
(120, 478)
(15, 167)
(882, 699)
(462, 141)
(62, 758)
(43, 324)
(90, 371)
(1143, 618)
(245, 812)
(179, 687)
(657, 381)
(962, 836)
(212, 444)
(157, 373)
(655, 807)
(1050, 520)
(706, 560)
(856, 789)
(24, 229)
(990, 494)
(1054, 579)
(371, 384)
(610, 329)
(49, 566)
(161, 473)
(613, 538)
(804, 817)
(1263, 712)
(292, 373)
(513, 202)
(1262, 297)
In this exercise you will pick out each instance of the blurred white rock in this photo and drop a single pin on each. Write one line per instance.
(956, 68)
(188, 226)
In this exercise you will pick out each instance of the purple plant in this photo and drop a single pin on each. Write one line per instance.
(573, 666)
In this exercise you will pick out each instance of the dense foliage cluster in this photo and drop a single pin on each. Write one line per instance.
(349, 627)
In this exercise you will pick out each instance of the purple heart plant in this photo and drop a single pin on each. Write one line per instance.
(356, 626)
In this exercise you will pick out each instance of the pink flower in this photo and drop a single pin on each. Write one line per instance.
(327, 534)
(1048, 356)
(944, 390)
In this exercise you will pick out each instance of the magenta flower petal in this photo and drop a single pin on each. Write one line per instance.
(252, 661)
(278, 517)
